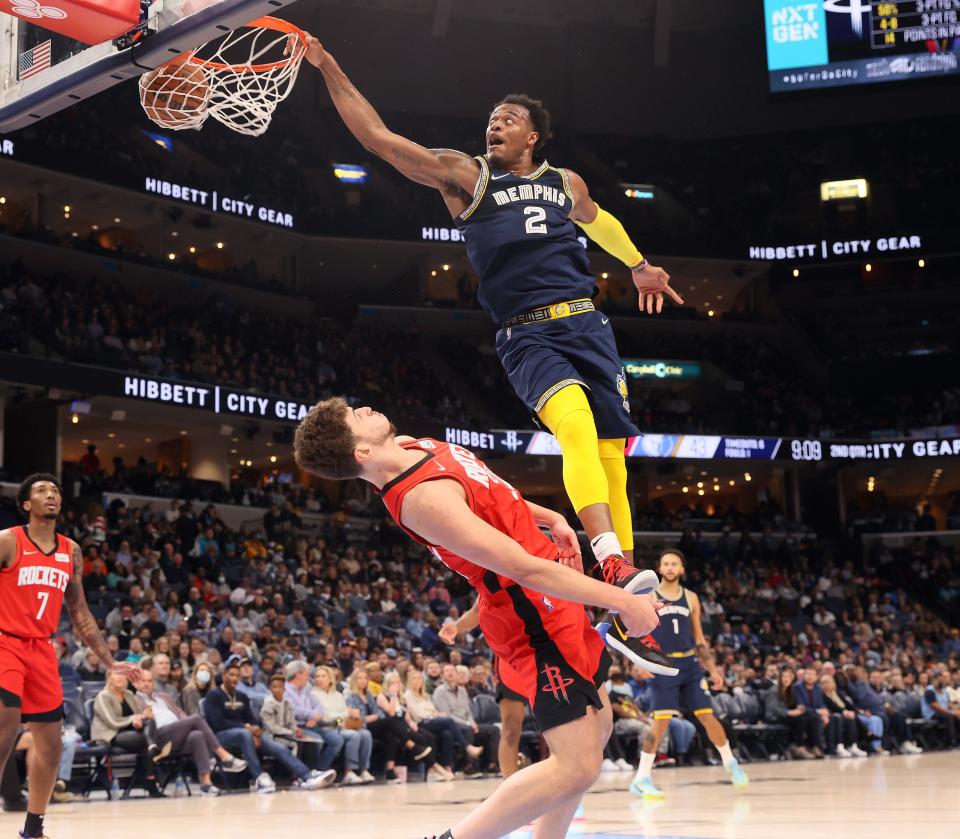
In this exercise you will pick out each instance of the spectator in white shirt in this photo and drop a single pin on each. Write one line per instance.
(186, 735)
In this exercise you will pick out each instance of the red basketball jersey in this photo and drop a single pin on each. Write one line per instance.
(31, 590)
(489, 496)
(540, 639)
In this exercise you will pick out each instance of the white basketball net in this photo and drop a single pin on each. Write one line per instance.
(238, 80)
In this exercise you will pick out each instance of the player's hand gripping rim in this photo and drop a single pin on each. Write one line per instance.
(652, 283)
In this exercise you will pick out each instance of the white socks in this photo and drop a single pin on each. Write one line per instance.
(606, 545)
(646, 765)
(726, 754)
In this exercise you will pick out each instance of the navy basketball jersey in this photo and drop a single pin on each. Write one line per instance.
(522, 243)
(675, 632)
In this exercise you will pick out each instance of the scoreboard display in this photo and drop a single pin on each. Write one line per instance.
(832, 43)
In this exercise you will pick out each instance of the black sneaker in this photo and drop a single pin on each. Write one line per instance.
(643, 651)
(616, 571)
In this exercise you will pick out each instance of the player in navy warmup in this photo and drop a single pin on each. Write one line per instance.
(681, 637)
(519, 218)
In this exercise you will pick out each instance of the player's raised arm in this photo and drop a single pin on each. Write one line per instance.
(449, 171)
(438, 512)
(651, 282)
(85, 624)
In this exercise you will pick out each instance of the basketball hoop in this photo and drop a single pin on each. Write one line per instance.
(238, 80)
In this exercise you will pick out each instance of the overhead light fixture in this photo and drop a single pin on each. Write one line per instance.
(922, 263)
(868, 267)
(74, 419)
(841, 190)
(171, 256)
(446, 267)
(605, 275)
(192, 249)
(796, 272)
(220, 246)
(747, 476)
(273, 458)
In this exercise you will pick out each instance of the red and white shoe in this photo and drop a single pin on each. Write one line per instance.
(617, 571)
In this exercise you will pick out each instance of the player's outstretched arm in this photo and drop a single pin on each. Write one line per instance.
(85, 624)
(704, 653)
(437, 511)
(449, 171)
(468, 621)
(651, 282)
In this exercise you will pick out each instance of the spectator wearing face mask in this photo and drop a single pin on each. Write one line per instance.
(200, 684)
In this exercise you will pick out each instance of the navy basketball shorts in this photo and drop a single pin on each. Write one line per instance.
(541, 359)
(688, 689)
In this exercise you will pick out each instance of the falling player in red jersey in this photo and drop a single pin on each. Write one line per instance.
(530, 608)
(39, 570)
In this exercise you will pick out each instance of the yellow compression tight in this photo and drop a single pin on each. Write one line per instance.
(568, 416)
(594, 470)
(615, 466)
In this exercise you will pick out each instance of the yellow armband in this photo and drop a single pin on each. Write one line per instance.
(607, 232)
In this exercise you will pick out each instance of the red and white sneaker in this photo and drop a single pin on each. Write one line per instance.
(644, 651)
(616, 571)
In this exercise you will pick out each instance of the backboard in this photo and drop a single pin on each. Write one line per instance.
(30, 91)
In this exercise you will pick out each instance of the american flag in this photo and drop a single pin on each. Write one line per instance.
(34, 61)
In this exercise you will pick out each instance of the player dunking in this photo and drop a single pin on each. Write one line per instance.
(559, 353)
(681, 637)
(39, 569)
(529, 611)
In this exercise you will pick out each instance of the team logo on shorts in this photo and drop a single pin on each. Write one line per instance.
(622, 388)
(556, 683)
(560, 310)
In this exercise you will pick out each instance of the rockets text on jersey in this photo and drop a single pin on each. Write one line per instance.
(32, 589)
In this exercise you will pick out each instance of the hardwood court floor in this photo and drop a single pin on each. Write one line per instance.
(878, 798)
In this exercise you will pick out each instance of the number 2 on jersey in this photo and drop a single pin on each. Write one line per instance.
(537, 215)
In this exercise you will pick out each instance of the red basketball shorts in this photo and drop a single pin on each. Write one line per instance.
(29, 673)
(548, 652)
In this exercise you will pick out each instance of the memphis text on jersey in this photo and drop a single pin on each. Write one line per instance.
(674, 609)
(530, 192)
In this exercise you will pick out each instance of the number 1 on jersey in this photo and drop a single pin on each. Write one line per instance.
(676, 626)
(537, 215)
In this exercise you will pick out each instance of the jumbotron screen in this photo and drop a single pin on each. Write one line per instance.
(831, 43)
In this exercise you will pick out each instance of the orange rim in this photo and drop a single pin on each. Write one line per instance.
(273, 23)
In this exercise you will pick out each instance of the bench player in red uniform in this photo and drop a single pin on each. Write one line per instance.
(39, 570)
(530, 608)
